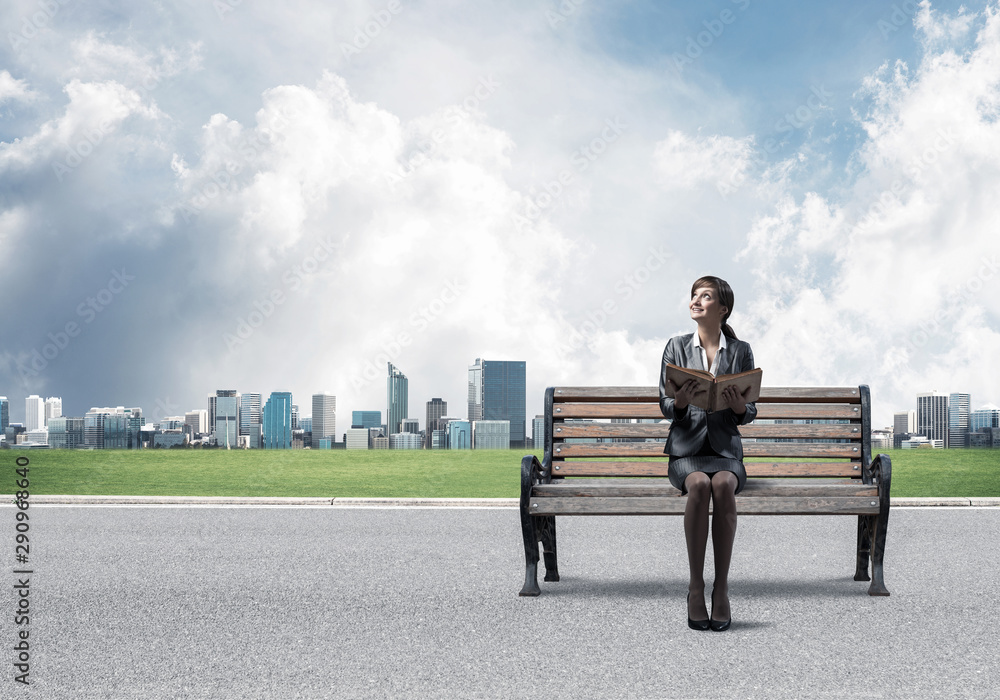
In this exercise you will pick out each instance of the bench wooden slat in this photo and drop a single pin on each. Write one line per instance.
(801, 411)
(755, 488)
(851, 470)
(750, 449)
(626, 394)
(668, 505)
(661, 430)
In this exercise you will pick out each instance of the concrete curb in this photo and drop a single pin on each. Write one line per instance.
(400, 502)
(271, 501)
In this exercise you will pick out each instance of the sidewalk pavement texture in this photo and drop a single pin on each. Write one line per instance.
(438, 502)
(384, 602)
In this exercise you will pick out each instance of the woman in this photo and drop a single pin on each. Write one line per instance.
(706, 452)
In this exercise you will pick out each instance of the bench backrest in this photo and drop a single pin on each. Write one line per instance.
(579, 440)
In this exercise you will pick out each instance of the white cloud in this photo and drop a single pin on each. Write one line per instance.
(896, 283)
(12, 89)
(684, 162)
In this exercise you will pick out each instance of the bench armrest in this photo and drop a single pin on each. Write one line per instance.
(532, 472)
(879, 473)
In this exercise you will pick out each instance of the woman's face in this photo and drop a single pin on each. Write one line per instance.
(705, 306)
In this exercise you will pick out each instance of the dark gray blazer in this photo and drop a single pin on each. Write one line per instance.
(687, 431)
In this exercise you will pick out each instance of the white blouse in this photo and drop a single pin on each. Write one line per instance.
(704, 355)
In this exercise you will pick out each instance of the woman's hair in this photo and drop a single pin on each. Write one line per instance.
(726, 298)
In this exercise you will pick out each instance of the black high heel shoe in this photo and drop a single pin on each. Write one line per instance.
(719, 625)
(700, 625)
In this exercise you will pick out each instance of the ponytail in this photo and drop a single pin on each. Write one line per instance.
(729, 332)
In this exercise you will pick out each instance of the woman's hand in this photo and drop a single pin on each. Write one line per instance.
(735, 400)
(683, 393)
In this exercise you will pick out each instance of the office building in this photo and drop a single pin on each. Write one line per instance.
(476, 390)
(65, 432)
(277, 418)
(53, 408)
(324, 418)
(251, 418)
(405, 441)
(409, 425)
(380, 443)
(904, 422)
(921, 442)
(34, 413)
(932, 416)
(958, 420)
(439, 439)
(357, 438)
(113, 428)
(881, 440)
(459, 435)
(366, 419)
(987, 416)
(397, 399)
(198, 420)
(227, 418)
(491, 434)
(538, 432)
(39, 436)
(985, 437)
(436, 409)
(4, 413)
(497, 392)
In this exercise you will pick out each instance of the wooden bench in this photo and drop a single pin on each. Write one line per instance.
(826, 430)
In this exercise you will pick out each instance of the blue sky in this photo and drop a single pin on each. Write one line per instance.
(465, 180)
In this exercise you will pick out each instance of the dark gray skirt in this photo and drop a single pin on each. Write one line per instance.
(706, 460)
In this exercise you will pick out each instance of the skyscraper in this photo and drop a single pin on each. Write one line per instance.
(476, 390)
(251, 418)
(501, 395)
(324, 418)
(932, 416)
(227, 418)
(4, 413)
(53, 408)
(397, 399)
(278, 421)
(436, 408)
(958, 420)
(34, 412)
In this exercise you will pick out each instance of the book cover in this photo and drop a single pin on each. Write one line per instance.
(708, 394)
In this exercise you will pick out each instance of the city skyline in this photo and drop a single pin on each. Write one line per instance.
(545, 185)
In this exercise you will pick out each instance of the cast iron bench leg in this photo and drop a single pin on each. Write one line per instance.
(882, 470)
(530, 534)
(530, 470)
(865, 526)
(546, 527)
(877, 586)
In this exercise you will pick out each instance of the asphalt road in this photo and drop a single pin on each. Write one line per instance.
(328, 602)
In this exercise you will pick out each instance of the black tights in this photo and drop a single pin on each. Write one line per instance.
(720, 490)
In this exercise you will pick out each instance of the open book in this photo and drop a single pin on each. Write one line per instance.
(708, 394)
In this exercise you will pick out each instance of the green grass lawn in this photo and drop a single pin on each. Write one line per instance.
(390, 473)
